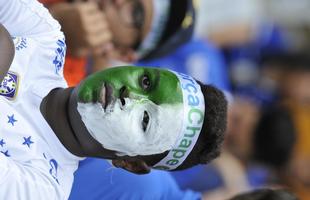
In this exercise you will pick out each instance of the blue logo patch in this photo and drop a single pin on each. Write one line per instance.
(9, 86)
(20, 43)
(60, 55)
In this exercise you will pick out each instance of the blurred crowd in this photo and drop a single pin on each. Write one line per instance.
(256, 51)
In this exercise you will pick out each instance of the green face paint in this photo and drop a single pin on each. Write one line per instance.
(132, 110)
(142, 111)
(163, 86)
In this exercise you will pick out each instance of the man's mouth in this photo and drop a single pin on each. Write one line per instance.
(106, 97)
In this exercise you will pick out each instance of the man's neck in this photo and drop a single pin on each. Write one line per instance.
(54, 109)
(59, 109)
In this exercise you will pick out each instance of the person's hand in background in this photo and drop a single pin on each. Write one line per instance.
(85, 28)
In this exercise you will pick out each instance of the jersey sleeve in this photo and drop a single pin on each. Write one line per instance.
(27, 18)
(45, 69)
(39, 45)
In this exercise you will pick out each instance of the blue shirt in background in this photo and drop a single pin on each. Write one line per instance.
(96, 179)
(199, 59)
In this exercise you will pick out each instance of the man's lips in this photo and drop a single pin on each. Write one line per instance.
(106, 95)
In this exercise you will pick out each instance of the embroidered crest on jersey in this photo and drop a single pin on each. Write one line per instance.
(9, 85)
(60, 56)
(19, 43)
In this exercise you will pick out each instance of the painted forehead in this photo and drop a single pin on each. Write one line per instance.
(164, 86)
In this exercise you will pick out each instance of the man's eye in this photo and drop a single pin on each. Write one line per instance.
(145, 82)
(145, 120)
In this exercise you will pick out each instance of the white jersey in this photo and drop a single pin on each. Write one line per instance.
(33, 162)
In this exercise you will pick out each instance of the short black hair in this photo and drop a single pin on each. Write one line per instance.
(274, 137)
(211, 137)
(266, 194)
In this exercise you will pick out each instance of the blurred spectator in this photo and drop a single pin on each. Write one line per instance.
(289, 73)
(242, 119)
(296, 175)
(244, 62)
(243, 31)
(249, 160)
(122, 30)
(273, 142)
(259, 157)
(274, 137)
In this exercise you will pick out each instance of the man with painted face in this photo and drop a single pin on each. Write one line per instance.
(153, 116)
(174, 121)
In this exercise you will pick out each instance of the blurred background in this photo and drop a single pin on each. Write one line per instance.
(265, 47)
(257, 52)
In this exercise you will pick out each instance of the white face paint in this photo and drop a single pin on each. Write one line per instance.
(120, 127)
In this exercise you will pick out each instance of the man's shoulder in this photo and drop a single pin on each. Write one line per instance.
(28, 18)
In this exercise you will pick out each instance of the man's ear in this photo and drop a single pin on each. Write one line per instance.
(134, 166)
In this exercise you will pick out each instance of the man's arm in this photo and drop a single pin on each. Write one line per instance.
(6, 51)
(45, 42)
(28, 176)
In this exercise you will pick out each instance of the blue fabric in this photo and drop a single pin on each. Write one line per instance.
(258, 176)
(269, 38)
(97, 180)
(199, 59)
(201, 178)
